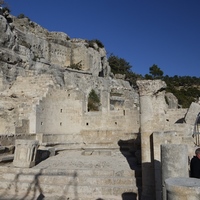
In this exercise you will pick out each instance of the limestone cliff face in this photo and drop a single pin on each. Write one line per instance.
(41, 50)
(35, 62)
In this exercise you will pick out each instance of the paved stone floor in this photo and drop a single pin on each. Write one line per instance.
(93, 167)
(87, 159)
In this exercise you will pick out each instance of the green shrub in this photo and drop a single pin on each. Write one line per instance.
(21, 16)
(93, 101)
(76, 66)
(25, 44)
(6, 9)
(98, 42)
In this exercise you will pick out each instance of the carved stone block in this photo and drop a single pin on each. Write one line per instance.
(25, 153)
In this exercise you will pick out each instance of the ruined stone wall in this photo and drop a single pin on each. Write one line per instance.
(122, 120)
(161, 124)
(35, 104)
(63, 112)
(18, 103)
(175, 115)
(60, 112)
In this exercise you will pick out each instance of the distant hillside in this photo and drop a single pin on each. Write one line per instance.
(185, 88)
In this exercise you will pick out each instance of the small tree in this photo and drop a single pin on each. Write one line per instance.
(155, 71)
(93, 101)
(4, 8)
(118, 65)
(2, 3)
(121, 66)
(20, 16)
(98, 42)
(76, 66)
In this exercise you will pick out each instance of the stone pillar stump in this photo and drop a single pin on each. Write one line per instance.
(174, 162)
(180, 188)
(25, 153)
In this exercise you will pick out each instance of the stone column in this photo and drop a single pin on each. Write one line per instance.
(174, 162)
(183, 188)
(152, 116)
(105, 101)
(25, 153)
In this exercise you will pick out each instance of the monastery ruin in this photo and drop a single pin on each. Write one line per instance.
(135, 146)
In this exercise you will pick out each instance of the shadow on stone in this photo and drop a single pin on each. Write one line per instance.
(32, 186)
(129, 196)
(41, 155)
(180, 121)
(130, 149)
(41, 197)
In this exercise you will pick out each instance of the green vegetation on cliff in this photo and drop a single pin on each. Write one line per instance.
(185, 88)
(121, 66)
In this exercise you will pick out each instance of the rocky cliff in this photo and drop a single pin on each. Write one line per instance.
(34, 60)
(27, 46)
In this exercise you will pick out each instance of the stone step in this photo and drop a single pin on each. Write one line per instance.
(63, 179)
(72, 172)
(69, 190)
(40, 196)
(6, 157)
(70, 183)
(98, 177)
(80, 172)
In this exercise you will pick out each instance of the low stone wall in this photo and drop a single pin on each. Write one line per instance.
(87, 139)
(7, 140)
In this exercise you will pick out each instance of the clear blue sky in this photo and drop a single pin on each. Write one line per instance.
(143, 32)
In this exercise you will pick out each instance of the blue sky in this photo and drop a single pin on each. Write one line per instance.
(143, 32)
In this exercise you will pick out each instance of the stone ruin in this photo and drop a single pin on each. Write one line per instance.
(53, 147)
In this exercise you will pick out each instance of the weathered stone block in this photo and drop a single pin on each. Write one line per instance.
(192, 113)
(25, 153)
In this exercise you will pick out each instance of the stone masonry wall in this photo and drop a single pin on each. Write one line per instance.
(62, 112)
